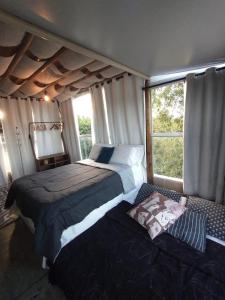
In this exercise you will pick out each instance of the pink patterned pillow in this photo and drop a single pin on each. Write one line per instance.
(156, 213)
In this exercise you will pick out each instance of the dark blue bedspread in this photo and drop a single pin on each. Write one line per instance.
(116, 259)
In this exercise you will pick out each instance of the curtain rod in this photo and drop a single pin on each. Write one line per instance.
(108, 80)
(177, 80)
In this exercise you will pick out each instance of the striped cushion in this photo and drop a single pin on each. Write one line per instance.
(147, 189)
(191, 228)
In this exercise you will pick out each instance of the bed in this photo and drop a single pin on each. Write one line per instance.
(116, 259)
(62, 203)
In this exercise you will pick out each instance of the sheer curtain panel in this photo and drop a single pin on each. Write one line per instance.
(3, 169)
(99, 116)
(17, 115)
(125, 107)
(70, 130)
(204, 136)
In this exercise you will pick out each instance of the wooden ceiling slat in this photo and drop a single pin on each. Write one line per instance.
(34, 57)
(21, 50)
(45, 65)
(8, 51)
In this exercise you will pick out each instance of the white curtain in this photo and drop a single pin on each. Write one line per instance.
(17, 115)
(3, 167)
(99, 116)
(49, 141)
(70, 132)
(204, 136)
(125, 109)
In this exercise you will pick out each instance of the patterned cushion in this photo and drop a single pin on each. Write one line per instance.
(156, 213)
(214, 212)
(4, 213)
(147, 189)
(191, 228)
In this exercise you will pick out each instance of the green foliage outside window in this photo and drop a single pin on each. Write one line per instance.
(168, 112)
(85, 136)
(84, 125)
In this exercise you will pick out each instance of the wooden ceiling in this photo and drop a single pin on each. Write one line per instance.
(32, 67)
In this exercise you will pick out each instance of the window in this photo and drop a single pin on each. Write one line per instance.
(82, 107)
(168, 115)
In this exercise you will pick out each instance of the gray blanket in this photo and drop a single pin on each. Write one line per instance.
(61, 197)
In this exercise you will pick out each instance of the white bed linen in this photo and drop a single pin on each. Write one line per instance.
(73, 231)
(131, 176)
(216, 240)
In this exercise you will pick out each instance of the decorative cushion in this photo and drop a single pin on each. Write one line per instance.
(105, 155)
(147, 189)
(215, 214)
(156, 213)
(128, 155)
(96, 149)
(191, 228)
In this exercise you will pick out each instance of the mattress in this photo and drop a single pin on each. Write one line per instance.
(116, 259)
(132, 179)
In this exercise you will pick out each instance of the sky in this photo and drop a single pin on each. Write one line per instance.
(82, 105)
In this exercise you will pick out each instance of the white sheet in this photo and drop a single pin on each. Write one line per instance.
(216, 240)
(132, 179)
(131, 176)
(75, 230)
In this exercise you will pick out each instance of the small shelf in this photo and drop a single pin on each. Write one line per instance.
(52, 161)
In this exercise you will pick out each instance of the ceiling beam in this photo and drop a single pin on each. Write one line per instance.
(49, 62)
(21, 50)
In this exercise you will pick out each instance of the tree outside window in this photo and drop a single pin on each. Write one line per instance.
(168, 117)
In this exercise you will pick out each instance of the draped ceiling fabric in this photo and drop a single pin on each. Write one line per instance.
(45, 67)
(204, 136)
(125, 109)
(99, 116)
(70, 130)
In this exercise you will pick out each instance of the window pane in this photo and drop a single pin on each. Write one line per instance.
(168, 107)
(168, 156)
(82, 107)
(85, 136)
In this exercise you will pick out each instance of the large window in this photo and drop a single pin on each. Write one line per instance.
(83, 115)
(168, 113)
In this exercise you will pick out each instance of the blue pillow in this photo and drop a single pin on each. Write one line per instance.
(105, 155)
(147, 189)
(191, 229)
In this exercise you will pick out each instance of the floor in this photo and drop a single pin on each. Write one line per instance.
(21, 276)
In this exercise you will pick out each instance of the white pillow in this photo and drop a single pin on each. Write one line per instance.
(128, 155)
(96, 148)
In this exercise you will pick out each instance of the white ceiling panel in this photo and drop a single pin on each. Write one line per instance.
(151, 36)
